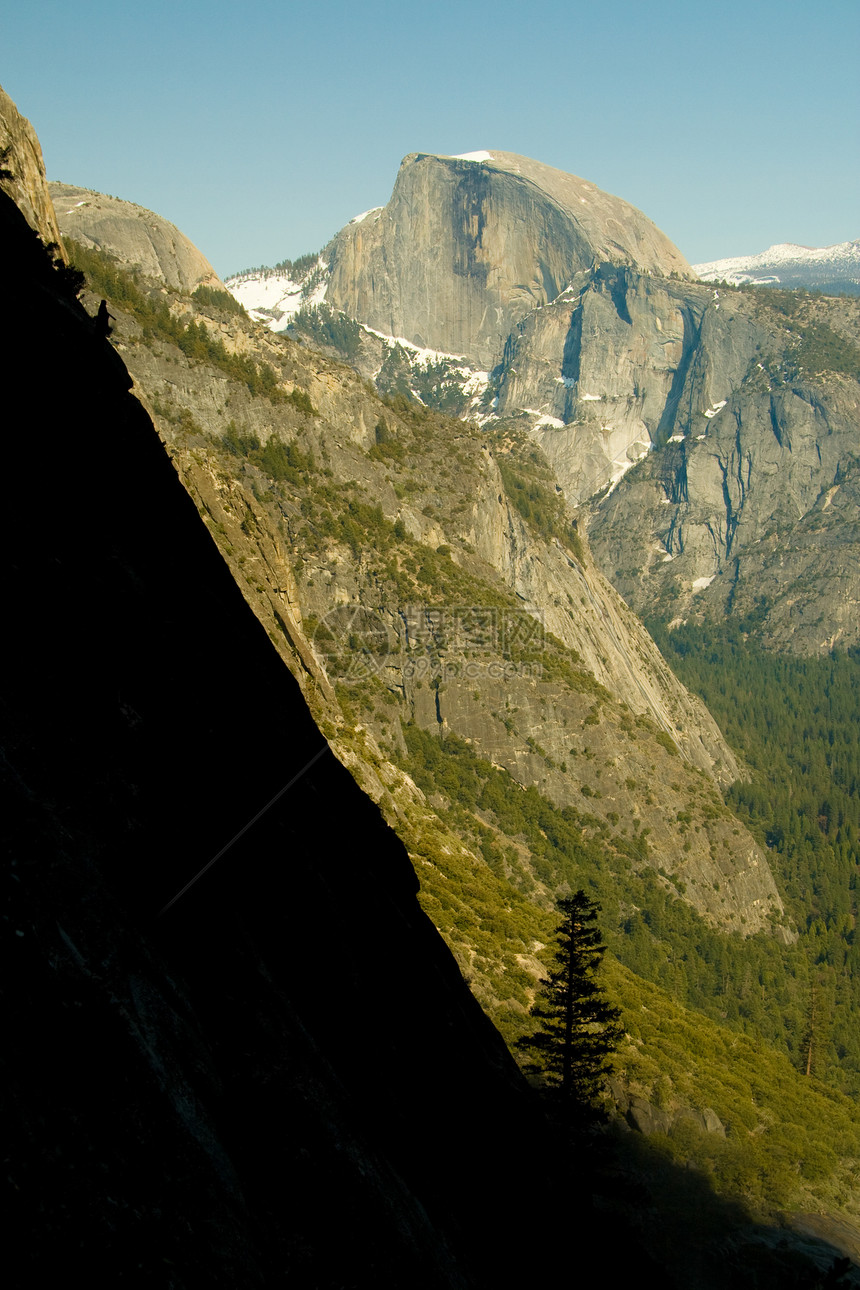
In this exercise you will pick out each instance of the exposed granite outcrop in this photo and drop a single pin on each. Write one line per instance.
(202, 1098)
(722, 872)
(642, 1115)
(465, 250)
(134, 236)
(600, 367)
(27, 186)
(712, 434)
(615, 758)
(752, 506)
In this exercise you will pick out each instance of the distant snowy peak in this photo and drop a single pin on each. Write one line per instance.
(273, 296)
(830, 268)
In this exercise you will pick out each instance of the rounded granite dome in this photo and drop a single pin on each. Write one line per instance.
(136, 237)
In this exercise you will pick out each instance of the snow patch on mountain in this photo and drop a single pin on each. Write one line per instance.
(418, 352)
(272, 296)
(359, 219)
(621, 464)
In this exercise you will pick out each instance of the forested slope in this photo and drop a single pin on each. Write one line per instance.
(795, 721)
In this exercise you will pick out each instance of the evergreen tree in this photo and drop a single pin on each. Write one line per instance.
(578, 1026)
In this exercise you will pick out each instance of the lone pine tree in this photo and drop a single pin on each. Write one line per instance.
(578, 1026)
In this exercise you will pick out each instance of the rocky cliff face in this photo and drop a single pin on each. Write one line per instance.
(750, 507)
(529, 725)
(136, 237)
(567, 308)
(601, 366)
(22, 160)
(466, 249)
(711, 434)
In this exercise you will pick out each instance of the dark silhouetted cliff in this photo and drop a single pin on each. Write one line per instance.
(284, 1076)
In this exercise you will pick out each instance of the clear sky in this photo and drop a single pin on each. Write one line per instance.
(261, 128)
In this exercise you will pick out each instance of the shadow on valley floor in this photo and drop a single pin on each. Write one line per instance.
(697, 1237)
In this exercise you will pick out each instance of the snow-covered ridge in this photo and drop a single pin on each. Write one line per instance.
(272, 296)
(359, 219)
(473, 383)
(787, 264)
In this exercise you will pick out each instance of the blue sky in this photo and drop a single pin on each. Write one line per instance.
(261, 128)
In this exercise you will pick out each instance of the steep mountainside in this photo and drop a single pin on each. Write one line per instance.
(196, 1098)
(465, 249)
(732, 416)
(479, 288)
(578, 667)
(751, 506)
(260, 1090)
(332, 511)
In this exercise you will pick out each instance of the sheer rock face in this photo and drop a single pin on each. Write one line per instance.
(610, 640)
(584, 311)
(566, 742)
(743, 489)
(753, 505)
(652, 318)
(601, 366)
(134, 236)
(465, 250)
(27, 187)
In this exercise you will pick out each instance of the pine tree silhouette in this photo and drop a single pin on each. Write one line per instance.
(579, 1028)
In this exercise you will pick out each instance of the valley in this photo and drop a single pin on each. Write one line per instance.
(459, 600)
(444, 700)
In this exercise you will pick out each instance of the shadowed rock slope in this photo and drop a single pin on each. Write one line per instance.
(289, 1053)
